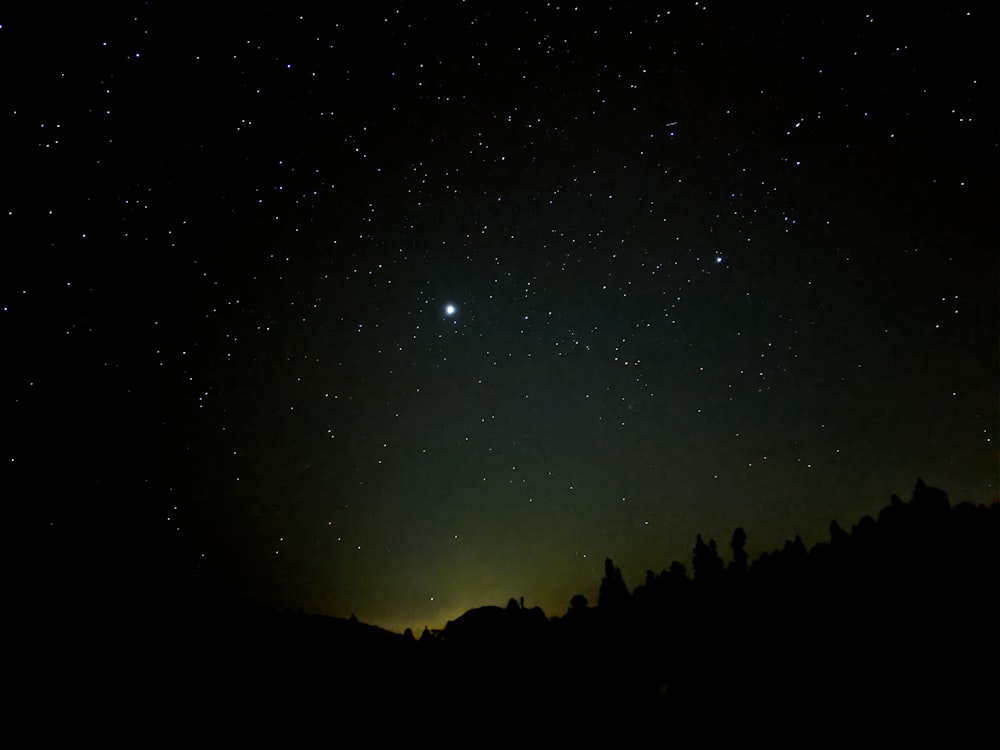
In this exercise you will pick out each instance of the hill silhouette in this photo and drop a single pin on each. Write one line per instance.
(890, 622)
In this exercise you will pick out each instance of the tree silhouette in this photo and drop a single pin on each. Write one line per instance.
(706, 561)
(677, 571)
(740, 564)
(613, 593)
(839, 538)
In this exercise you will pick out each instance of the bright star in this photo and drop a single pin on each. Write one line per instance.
(449, 309)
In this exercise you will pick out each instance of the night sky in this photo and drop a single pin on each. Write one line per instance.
(407, 308)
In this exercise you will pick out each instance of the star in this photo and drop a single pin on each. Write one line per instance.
(449, 310)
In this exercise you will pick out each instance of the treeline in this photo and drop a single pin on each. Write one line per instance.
(896, 615)
(890, 622)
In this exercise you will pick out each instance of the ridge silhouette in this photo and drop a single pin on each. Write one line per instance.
(892, 621)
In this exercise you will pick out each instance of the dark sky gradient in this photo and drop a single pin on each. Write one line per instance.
(711, 266)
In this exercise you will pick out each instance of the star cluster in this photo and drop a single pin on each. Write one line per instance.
(411, 308)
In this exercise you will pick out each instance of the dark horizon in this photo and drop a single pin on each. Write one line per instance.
(732, 555)
(888, 625)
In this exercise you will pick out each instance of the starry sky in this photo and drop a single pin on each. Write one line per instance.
(406, 308)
